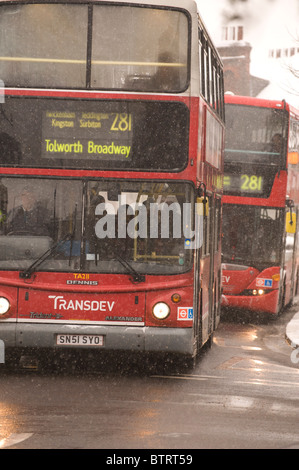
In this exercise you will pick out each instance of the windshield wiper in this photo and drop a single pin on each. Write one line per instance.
(26, 274)
(135, 276)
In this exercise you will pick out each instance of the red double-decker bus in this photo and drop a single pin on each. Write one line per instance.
(111, 156)
(260, 204)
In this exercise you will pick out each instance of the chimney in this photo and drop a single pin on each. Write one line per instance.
(232, 33)
(235, 54)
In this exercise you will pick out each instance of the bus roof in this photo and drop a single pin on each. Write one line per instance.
(260, 102)
(189, 5)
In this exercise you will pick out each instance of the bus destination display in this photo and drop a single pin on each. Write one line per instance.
(244, 183)
(87, 135)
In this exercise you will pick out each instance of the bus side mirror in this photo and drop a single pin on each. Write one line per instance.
(290, 222)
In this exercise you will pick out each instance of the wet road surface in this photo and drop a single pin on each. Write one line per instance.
(242, 394)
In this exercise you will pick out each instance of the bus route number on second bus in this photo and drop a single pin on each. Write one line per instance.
(251, 183)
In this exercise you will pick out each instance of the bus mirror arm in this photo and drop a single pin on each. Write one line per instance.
(202, 190)
(202, 194)
(290, 203)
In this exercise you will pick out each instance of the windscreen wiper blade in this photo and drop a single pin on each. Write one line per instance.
(135, 276)
(26, 274)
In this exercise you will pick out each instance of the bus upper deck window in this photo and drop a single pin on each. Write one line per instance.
(43, 45)
(147, 49)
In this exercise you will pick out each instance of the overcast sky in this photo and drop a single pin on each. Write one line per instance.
(268, 24)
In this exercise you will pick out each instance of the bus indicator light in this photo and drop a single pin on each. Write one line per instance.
(176, 298)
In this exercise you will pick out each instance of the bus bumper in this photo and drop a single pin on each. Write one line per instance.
(146, 339)
(266, 303)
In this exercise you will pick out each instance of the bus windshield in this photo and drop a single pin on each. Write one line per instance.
(255, 135)
(111, 47)
(98, 226)
(252, 235)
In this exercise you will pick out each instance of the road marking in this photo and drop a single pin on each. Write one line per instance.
(231, 362)
(13, 439)
(237, 403)
(178, 377)
(240, 402)
(251, 381)
(187, 377)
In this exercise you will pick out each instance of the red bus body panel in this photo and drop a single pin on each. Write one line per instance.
(236, 279)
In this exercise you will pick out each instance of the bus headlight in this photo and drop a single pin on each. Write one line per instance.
(161, 310)
(255, 292)
(4, 305)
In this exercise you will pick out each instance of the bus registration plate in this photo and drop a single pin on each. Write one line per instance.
(79, 340)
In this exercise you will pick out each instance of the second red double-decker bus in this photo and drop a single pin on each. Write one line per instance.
(261, 198)
(111, 138)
